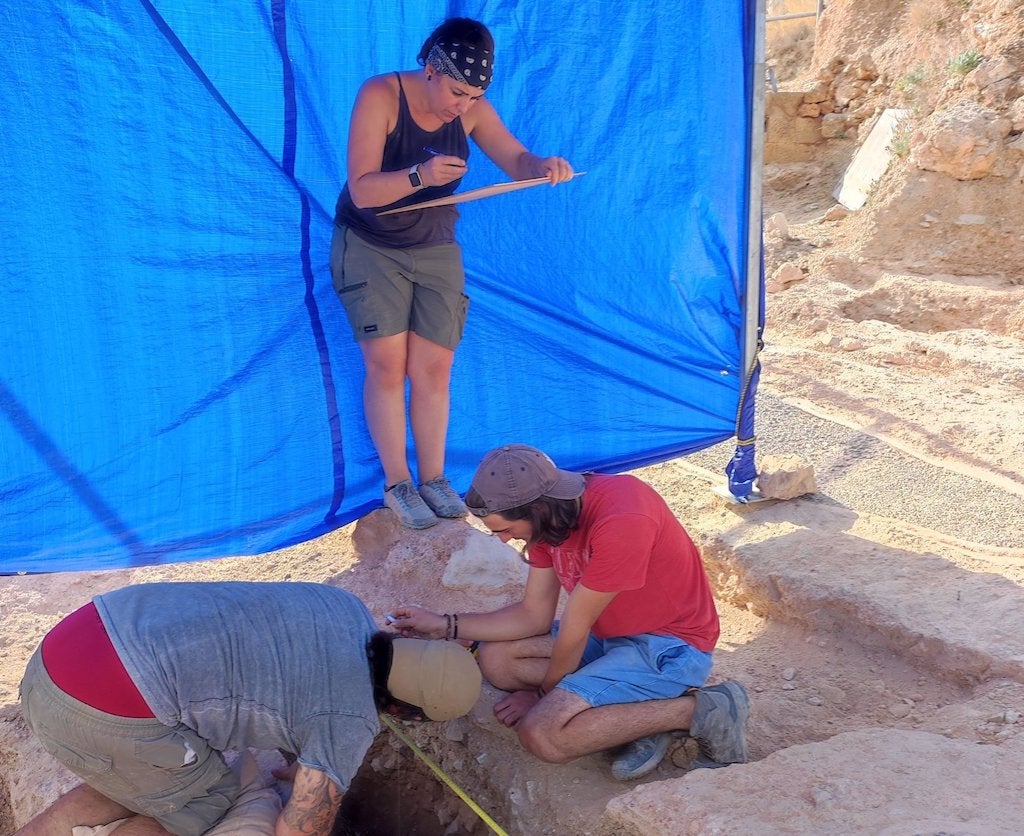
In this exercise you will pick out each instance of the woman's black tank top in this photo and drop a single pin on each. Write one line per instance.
(403, 148)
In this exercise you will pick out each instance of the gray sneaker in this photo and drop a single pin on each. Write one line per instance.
(719, 724)
(443, 501)
(641, 756)
(412, 511)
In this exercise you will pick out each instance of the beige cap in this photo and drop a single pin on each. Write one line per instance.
(440, 677)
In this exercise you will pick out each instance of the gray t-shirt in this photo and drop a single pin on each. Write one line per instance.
(262, 665)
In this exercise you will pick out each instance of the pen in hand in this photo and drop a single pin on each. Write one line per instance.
(435, 153)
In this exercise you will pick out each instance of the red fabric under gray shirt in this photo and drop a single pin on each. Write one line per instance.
(82, 662)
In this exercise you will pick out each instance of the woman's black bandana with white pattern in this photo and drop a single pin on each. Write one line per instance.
(467, 64)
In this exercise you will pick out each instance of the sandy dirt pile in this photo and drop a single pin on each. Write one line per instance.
(878, 623)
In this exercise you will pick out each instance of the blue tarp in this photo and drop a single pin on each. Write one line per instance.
(177, 377)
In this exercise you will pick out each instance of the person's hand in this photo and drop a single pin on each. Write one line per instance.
(418, 623)
(515, 707)
(442, 169)
(556, 169)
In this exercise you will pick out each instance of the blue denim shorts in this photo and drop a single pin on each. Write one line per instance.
(169, 774)
(636, 668)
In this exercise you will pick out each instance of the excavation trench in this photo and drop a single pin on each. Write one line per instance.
(806, 685)
(395, 792)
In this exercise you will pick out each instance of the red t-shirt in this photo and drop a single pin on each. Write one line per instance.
(628, 541)
(82, 662)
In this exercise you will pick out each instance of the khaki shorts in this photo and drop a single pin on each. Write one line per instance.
(387, 291)
(169, 774)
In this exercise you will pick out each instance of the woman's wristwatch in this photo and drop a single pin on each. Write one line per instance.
(414, 177)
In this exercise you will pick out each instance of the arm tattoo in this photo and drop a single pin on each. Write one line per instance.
(314, 804)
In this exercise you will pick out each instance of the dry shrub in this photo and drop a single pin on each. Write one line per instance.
(935, 15)
(788, 50)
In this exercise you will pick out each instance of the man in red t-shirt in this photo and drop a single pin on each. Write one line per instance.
(628, 660)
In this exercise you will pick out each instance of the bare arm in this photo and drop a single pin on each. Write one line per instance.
(374, 116)
(313, 806)
(507, 152)
(581, 611)
(532, 616)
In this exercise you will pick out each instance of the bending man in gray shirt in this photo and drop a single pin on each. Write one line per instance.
(141, 691)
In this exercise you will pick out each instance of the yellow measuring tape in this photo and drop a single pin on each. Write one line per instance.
(440, 773)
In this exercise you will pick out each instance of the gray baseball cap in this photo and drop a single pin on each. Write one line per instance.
(517, 474)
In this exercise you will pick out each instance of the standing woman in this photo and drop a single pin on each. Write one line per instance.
(400, 277)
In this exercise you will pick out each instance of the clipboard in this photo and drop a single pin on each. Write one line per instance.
(476, 194)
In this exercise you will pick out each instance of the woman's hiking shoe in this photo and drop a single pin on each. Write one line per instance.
(719, 724)
(412, 511)
(641, 756)
(443, 501)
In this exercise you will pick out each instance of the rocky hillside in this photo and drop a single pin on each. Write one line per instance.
(955, 68)
(915, 300)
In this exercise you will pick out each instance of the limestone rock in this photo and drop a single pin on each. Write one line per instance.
(788, 273)
(484, 564)
(817, 93)
(1016, 114)
(993, 71)
(964, 141)
(834, 125)
(785, 275)
(778, 224)
(785, 477)
(828, 783)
